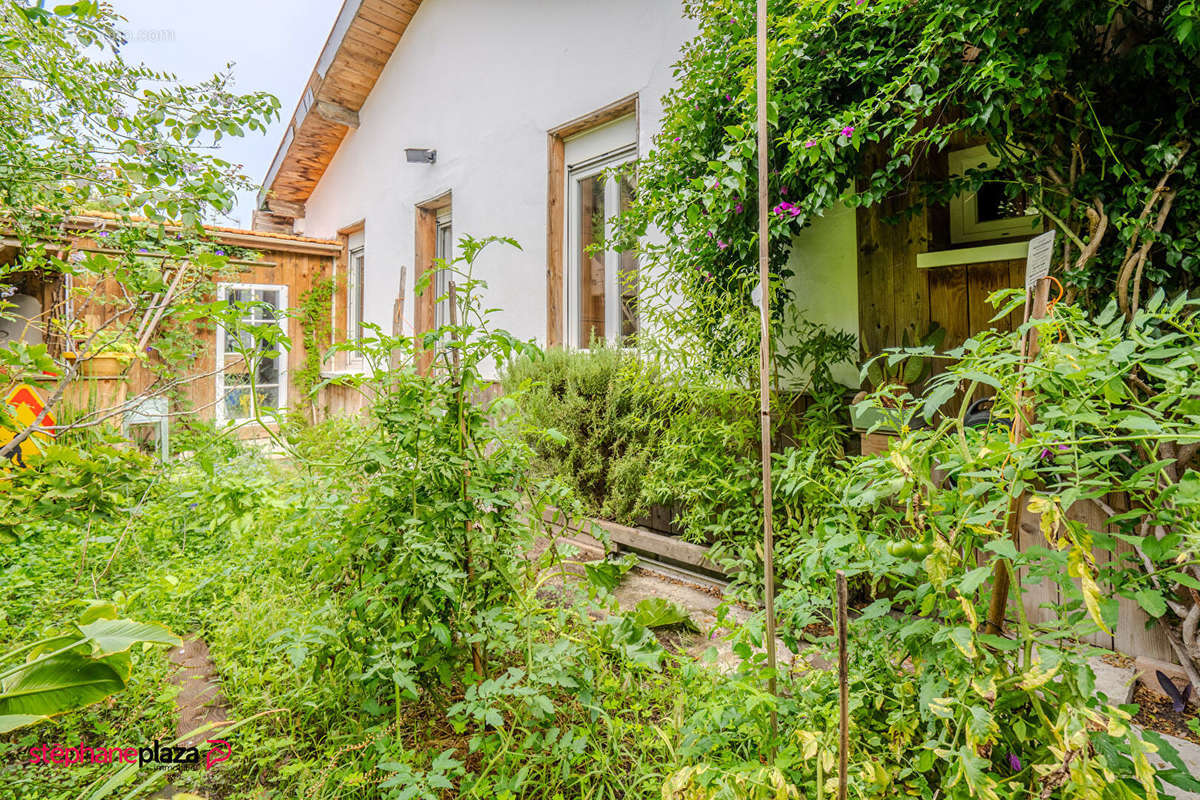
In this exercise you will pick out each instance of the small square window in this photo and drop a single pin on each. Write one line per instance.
(991, 212)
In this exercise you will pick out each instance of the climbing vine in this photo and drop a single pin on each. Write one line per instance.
(1086, 106)
(314, 314)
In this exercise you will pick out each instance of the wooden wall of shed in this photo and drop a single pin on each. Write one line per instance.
(298, 272)
(896, 297)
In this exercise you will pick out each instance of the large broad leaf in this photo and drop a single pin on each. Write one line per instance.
(65, 682)
(607, 574)
(635, 642)
(10, 722)
(657, 612)
(108, 636)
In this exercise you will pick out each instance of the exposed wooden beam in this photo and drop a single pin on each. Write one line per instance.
(284, 208)
(339, 115)
(362, 41)
(271, 223)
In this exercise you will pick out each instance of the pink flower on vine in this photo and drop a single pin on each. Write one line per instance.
(722, 245)
(811, 143)
(848, 131)
(737, 209)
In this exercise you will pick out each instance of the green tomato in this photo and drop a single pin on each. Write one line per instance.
(904, 549)
(921, 549)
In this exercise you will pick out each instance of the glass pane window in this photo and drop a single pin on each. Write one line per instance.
(355, 276)
(443, 250)
(602, 283)
(627, 270)
(251, 370)
(592, 285)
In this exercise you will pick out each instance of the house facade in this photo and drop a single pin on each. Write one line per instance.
(517, 112)
(427, 119)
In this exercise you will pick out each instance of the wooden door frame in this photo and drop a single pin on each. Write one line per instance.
(556, 215)
(425, 247)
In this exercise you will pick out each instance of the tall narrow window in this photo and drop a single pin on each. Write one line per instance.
(444, 250)
(354, 294)
(251, 367)
(356, 273)
(601, 288)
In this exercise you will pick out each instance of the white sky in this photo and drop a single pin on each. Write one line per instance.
(273, 44)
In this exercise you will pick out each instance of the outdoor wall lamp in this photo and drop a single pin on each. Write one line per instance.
(420, 155)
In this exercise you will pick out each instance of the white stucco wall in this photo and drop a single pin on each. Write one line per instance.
(824, 284)
(482, 81)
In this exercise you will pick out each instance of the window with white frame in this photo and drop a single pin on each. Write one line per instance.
(992, 211)
(356, 270)
(251, 377)
(443, 250)
(601, 283)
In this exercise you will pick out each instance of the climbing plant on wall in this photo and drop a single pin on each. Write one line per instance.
(1086, 106)
(315, 309)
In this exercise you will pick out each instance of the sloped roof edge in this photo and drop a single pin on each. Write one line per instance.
(363, 38)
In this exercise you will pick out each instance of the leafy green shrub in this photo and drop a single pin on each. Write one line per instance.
(1112, 409)
(628, 434)
(610, 409)
(79, 482)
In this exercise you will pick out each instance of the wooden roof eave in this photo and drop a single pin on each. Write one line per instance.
(363, 38)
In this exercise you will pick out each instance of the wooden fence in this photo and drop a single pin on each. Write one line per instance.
(1043, 600)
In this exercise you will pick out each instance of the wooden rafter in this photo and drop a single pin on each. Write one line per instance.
(363, 38)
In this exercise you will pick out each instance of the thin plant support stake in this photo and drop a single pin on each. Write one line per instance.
(1001, 579)
(843, 686)
(764, 358)
(476, 652)
(398, 320)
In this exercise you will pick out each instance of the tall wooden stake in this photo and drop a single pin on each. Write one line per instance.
(1001, 580)
(764, 352)
(476, 652)
(843, 687)
(398, 319)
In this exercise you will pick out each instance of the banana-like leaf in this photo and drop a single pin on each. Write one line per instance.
(109, 636)
(65, 682)
(10, 722)
(657, 612)
(935, 337)
(914, 369)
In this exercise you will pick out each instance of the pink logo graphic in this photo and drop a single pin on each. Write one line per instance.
(221, 751)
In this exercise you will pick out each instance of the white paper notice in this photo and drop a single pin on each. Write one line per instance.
(756, 295)
(1041, 253)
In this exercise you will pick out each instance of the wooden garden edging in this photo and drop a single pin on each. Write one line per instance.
(667, 550)
(1130, 636)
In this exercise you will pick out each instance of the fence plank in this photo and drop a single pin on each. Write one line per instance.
(1040, 599)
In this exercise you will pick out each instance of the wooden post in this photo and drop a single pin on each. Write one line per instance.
(1001, 579)
(843, 686)
(398, 317)
(764, 355)
(476, 653)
